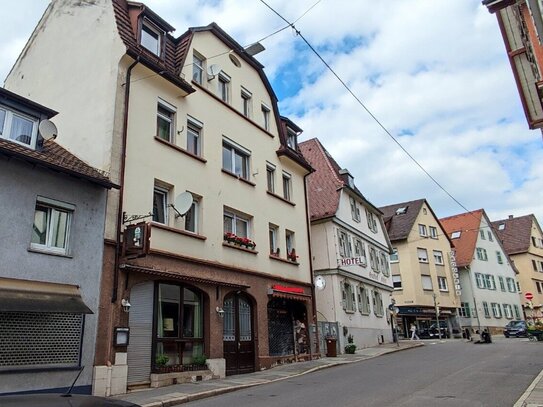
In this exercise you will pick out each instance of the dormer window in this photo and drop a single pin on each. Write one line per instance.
(292, 139)
(151, 37)
(18, 127)
(401, 211)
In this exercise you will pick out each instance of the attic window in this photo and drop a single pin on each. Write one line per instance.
(456, 235)
(151, 37)
(291, 139)
(401, 211)
(17, 127)
(501, 226)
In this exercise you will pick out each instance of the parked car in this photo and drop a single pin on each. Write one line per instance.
(60, 400)
(516, 329)
(431, 332)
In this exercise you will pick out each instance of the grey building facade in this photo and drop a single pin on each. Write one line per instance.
(52, 235)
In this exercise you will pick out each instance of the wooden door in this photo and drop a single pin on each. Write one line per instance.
(238, 338)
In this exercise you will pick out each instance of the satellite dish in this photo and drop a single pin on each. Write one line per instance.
(212, 71)
(48, 130)
(183, 202)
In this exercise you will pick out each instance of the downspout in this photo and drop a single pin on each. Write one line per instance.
(313, 299)
(121, 182)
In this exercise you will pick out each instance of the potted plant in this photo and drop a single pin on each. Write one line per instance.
(160, 362)
(350, 347)
(292, 255)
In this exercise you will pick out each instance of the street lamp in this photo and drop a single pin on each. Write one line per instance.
(436, 306)
(393, 310)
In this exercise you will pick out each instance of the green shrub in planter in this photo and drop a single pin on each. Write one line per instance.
(350, 347)
(199, 360)
(161, 360)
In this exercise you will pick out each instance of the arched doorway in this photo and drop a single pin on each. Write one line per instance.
(238, 336)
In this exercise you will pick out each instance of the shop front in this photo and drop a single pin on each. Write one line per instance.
(426, 323)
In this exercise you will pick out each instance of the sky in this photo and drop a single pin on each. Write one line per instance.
(434, 73)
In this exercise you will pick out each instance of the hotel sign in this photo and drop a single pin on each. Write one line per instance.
(455, 275)
(352, 261)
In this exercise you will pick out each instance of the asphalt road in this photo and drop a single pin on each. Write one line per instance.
(452, 373)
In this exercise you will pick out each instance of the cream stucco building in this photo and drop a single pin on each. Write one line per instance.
(522, 239)
(421, 269)
(215, 261)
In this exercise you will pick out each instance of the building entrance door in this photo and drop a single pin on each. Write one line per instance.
(238, 339)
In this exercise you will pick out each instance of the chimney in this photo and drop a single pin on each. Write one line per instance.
(510, 216)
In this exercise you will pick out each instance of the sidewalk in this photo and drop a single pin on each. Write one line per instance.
(183, 393)
(533, 396)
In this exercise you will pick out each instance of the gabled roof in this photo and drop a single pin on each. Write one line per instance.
(516, 233)
(468, 225)
(399, 225)
(52, 156)
(326, 182)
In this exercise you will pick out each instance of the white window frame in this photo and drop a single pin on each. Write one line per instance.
(52, 206)
(194, 132)
(198, 68)
(364, 300)
(270, 178)
(385, 263)
(148, 29)
(170, 118)
(377, 303)
(265, 116)
(246, 103)
(422, 255)
(273, 233)
(6, 129)
(499, 257)
(290, 242)
(496, 309)
(343, 244)
(193, 211)
(234, 218)
(292, 139)
(433, 232)
(464, 310)
(479, 280)
(397, 282)
(442, 283)
(511, 285)
(224, 87)
(425, 279)
(350, 302)
(502, 283)
(422, 230)
(165, 193)
(359, 248)
(489, 234)
(507, 311)
(287, 185)
(374, 261)
(486, 310)
(482, 234)
(355, 210)
(481, 254)
(456, 234)
(394, 257)
(438, 257)
(237, 150)
(372, 223)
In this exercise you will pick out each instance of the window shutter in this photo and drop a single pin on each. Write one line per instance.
(343, 297)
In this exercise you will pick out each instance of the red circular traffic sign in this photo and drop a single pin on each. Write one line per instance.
(528, 296)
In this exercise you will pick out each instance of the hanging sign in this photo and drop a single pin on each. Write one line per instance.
(455, 275)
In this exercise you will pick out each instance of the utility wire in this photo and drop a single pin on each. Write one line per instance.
(364, 106)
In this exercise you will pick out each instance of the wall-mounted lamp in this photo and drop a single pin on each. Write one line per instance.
(121, 336)
(220, 312)
(126, 305)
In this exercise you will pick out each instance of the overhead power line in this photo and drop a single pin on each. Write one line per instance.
(359, 101)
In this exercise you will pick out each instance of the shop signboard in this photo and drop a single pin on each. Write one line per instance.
(455, 274)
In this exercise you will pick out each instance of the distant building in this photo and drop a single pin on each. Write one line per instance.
(51, 228)
(488, 281)
(521, 25)
(190, 127)
(421, 269)
(350, 251)
(522, 240)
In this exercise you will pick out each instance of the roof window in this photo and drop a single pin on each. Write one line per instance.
(151, 37)
(456, 235)
(401, 211)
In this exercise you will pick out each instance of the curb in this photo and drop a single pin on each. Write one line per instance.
(215, 392)
(521, 402)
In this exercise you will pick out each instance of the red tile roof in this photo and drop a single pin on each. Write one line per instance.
(516, 234)
(324, 184)
(468, 224)
(57, 158)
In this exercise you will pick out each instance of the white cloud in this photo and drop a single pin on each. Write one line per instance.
(437, 70)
